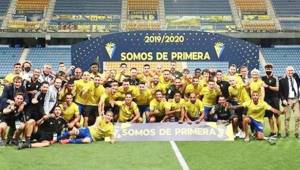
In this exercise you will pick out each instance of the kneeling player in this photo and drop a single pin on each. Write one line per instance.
(255, 116)
(157, 108)
(128, 110)
(194, 109)
(223, 113)
(48, 126)
(102, 128)
(175, 108)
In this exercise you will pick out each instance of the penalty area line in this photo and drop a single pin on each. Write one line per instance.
(179, 156)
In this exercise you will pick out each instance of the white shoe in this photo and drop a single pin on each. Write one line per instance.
(247, 139)
(242, 135)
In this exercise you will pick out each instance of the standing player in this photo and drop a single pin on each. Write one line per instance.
(271, 85)
(210, 95)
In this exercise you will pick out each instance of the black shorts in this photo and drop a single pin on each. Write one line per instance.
(90, 111)
(9, 121)
(114, 109)
(41, 136)
(274, 102)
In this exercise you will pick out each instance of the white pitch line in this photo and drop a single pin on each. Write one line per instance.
(179, 156)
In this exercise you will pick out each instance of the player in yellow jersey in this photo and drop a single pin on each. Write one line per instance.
(143, 97)
(156, 85)
(166, 79)
(237, 96)
(175, 108)
(205, 78)
(125, 88)
(82, 88)
(195, 87)
(186, 78)
(17, 71)
(209, 97)
(93, 99)
(255, 115)
(122, 74)
(68, 88)
(70, 112)
(194, 109)
(102, 129)
(232, 72)
(256, 84)
(146, 75)
(157, 108)
(128, 110)
(94, 70)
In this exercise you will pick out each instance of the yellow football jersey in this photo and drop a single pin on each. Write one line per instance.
(101, 129)
(257, 111)
(126, 112)
(70, 112)
(194, 109)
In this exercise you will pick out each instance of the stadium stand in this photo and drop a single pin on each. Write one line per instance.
(29, 15)
(207, 15)
(286, 8)
(4, 4)
(254, 14)
(251, 5)
(281, 58)
(8, 57)
(80, 16)
(32, 4)
(290, 25)
(143, 15)
(142, 5)
(288, 13)
(40, 56)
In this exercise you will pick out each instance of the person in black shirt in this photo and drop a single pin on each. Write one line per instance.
(224, 85)
(133, 79)
(32, 85)
(176, 86)
(35, 109)
(223, 112)
(272, 98)
(48, 127)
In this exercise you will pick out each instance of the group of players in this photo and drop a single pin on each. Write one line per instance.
(73, 106)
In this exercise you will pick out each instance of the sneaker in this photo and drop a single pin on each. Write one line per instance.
(287, 134)
(247, 139)
(64, 141)
(242, 135)
(278, 135)
(297, 135)
(271, 140)
(22, 145)
(272, 134)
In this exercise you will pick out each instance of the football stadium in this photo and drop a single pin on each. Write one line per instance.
(150, 84)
